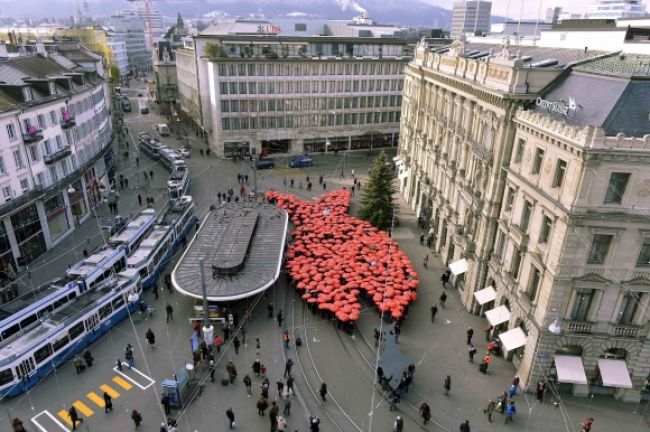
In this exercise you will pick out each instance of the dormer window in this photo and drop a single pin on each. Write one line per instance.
(27, 94)
(51, 87)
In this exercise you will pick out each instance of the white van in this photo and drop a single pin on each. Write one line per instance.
(163, 130)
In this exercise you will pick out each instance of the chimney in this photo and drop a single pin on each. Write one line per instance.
(40, 49)
(3, 51)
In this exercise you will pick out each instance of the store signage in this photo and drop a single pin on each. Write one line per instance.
(557, 107)
(269, 29)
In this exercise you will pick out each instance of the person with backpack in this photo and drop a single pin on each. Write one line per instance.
(137, 418)
(511, 410)
(425, 412)
(443, 299)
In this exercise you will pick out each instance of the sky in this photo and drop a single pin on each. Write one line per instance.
(499, 7)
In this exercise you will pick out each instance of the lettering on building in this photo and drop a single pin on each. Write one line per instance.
(498, 74)
(560, 107)
(269, 29)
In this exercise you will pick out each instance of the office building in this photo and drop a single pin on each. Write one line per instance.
(165, 75)
(472, 16)
(55, 156)
(153, 23)
(259, 88)
(132, 32)
(520, 169)
(553, 15)
(612, 9)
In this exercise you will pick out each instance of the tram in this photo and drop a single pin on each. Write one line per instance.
(29, 356)
(149, 145)
(178, 184)
(132, 234)
(159, 245)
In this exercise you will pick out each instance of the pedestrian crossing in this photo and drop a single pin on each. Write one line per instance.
(86, 408)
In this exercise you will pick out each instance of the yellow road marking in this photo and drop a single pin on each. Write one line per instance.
(85, 409)
(63, 415)
(99, 401)
(120, 382)
(108, 389)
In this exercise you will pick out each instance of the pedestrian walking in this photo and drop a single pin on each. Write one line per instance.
(470, 334)
(128, 355)
(314, 424)
(541, 388)
(151, 338)
(146, 176)
(511, 410)
(488, 332)
(280, 385)
(165, 402)
(168, 283)
(262, 405)
(137, 161)
(324, 186)
(485, 363)
(269, 309)
(443, 299)
(280, 318)
(17, 425)
(218, 342)
(232, 371)
(425, 261)
(286, 338)
(489, 409)
(421, 239)
(231, 418)
(282, 424)
(471, 352)
(323, 391)
(108, 403)
(286, 410)
(512, 390)
(398, 426)
(249, 384)
(352, 173)
(586, 425)
(464, 426)
(74, 417)
(139, 200)
(151, 174)
(170, 312)
(393, 399)
(258, 345)
(79, 364)
(290, 382)
(137, 418)
(236, 343)
(447, 385)
(273, 416)
(425, 412)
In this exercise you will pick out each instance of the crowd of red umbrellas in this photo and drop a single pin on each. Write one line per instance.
(334, 258)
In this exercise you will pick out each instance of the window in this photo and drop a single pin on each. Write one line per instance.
(300, 27)
(616, 188)
(6, 376)
(500, 245)
(644, 255)
(510, 198)
(41, 354)
(628, 309)
(40, 120)
(76, 330)
(60, 342)
(516, 263)
(526, 212)
(11, 131)
(53, 118)
(537, 163)
(533, 283)
(6, 192)
(545, 231)
(2, 166)
(18, 159)
(33, 153)
(581, 305)
(24, 184)
(105, 311)
(560, 171)
(599, 248)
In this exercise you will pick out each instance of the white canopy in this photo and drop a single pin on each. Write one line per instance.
(485, 295)
(396, 158)
(498, 315)
(614, 373)
(458, 267)
(570, 369)
(404, 174)
(513, 339)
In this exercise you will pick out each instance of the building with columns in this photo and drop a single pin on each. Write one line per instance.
(519, 168)
(55, 153)
(293, 87)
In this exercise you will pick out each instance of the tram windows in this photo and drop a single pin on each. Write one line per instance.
(144, 272)
(104, 311)
(11, 331)
(60, 342)
(60, 302)
(45, 311)
(76, 330)
(25, 368)
(118, 302)
(91, 323)
(72, 295)
(41, 354)
(27, 321)
(6, 376)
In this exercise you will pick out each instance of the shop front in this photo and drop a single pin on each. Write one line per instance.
(57, 217)
(29, 234)
(77, 203)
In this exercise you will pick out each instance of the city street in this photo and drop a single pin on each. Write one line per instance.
(346, 364)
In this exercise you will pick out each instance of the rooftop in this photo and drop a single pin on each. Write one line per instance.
(242, 246)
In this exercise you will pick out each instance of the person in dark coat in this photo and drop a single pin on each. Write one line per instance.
(164, 401)
(434, 311)
(74, 417)
(425, 412)
(262, 405)
(273, 416)
(323, 391)
(137, 418)
(464, 426)
(88, 357)
(231, 418)
(108, 402)
(314, 424)
(470, 334)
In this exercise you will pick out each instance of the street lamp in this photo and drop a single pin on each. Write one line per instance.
(71, 190)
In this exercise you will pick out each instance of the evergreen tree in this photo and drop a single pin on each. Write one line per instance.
(377, 204)
(115, 75)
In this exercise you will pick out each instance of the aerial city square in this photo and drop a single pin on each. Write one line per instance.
(327, 215)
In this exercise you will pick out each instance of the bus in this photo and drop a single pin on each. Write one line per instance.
(144, 108)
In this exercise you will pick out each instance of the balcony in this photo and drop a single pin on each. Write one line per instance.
(624, 331)
(67, 121)
(519, 237)
(584, 327)
(57, 155)
(33, 135)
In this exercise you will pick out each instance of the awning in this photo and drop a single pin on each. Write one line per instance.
(458, 267)
(513, 339)
(614, 373)
(396, 158)
(570, 369)
(485, 295)
(498, 315)
(404, 174)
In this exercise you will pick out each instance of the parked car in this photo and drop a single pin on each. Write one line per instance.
(264, 163)
(163, 130)
(301, 161)
(185, 152)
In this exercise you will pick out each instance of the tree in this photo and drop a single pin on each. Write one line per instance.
(377, 204)
(115, 75)
(179, 22)
(213, 51)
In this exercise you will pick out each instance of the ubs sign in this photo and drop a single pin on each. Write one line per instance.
(557, 107)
